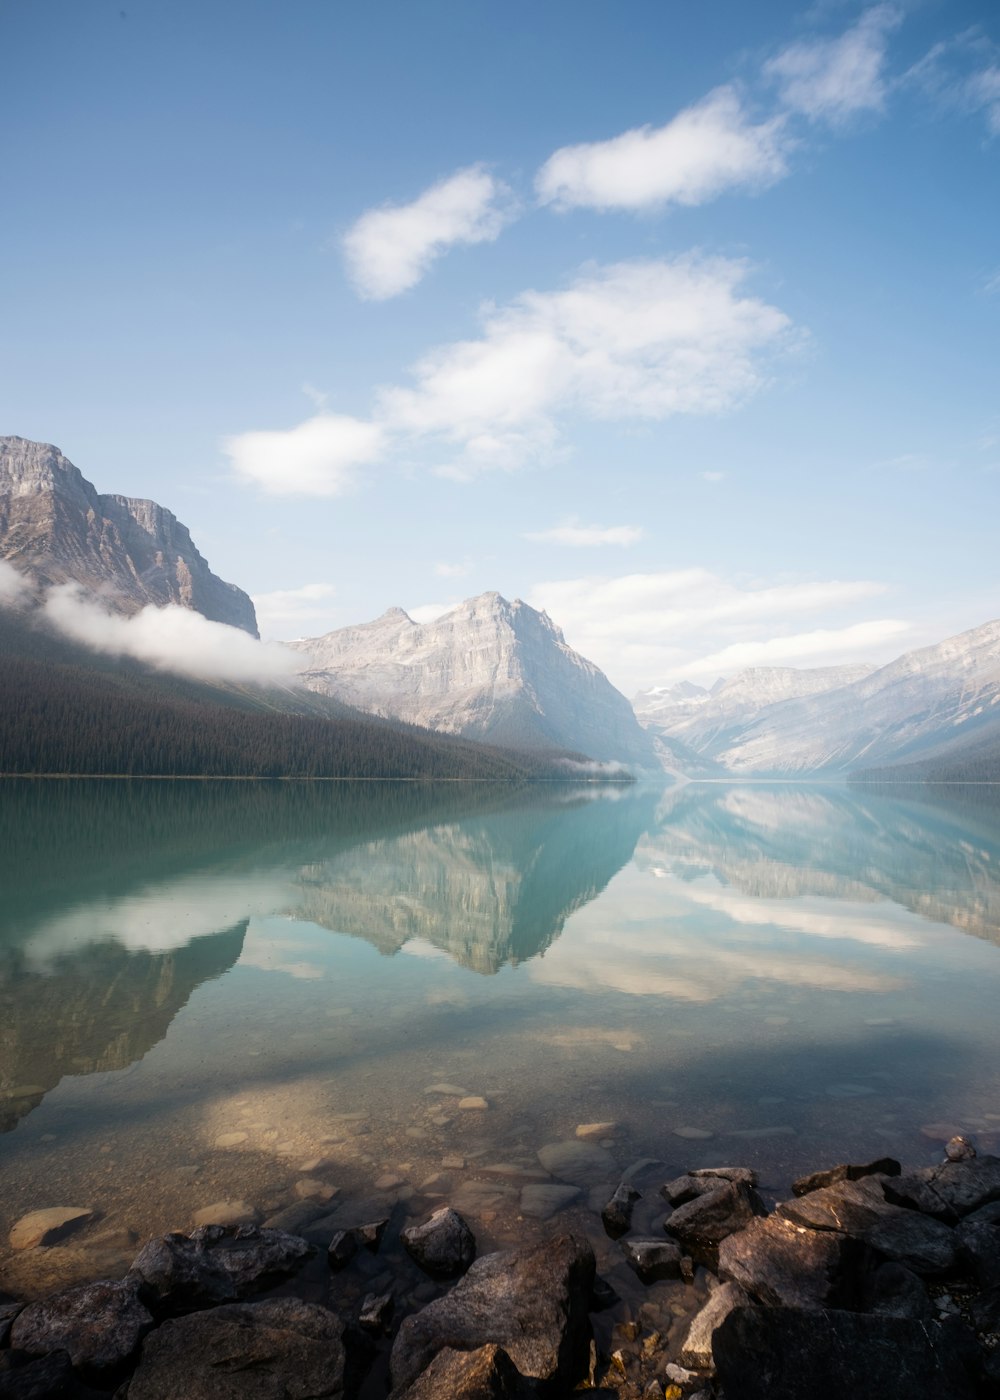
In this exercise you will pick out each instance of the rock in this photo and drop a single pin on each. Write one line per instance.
(744, 1174)
(616, 1216)
(703, 1223)
(310, 1188)
(98, 1325)
(49, 1377)
(8, 1312)
(231, 1139)
(788, 1353)
(884, 1166)
(293, 1219)
(696, 1349)
(985, 1311)
(443, 1246)
(951, 1191)
(47, 1226)
(376, 1312)
(268, 1350)
(541, 1202)
(979, 1246)
(602, 1295)
(906, 1239)
(225, 1213)
(582, 1163)
(213, 1265)
(786, 1265)
(484, 1374)
(473, 1101)
(596, 1130)
(959, 1149)
(346, 1243)
(688, 1188)
(652, 1260)
(895, 1291)
(532, 1302)
(693, 1134)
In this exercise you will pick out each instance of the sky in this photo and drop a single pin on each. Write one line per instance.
(677, 321)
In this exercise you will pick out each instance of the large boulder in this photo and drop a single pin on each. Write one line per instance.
(278, 1349)
(788, 1353)
(950, 1191)
(786, 1265)
(98, 1325)
(443, 1246)
(702, 1223)
(24, 1377)
(845, 1171)
(859, 1208)
(532, 1302)
(216, 1265)
(485, 1374)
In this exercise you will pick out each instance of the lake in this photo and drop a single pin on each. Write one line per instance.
(268, 992)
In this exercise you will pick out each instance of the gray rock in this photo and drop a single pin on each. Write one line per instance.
(744, 1174)
(45, 1227)
(696, 1350)
(688, 1188)
(376, 1312)
(616, 1216)
(950, 1191)
(542, 1202)
(443, 1246)
(788, 1353)
(8, 1312)
(906, 1239)
(895, 1291)
(278, 1349)
(532, 1302)
(48, 1378)
(215, 1265)
(884, 1166)
(985, 1311)
(653, 1260)
(580, 1162)
(860, 1209)
(484, 1374)
(979, 1246)
(346, 1243)
(785, 1265)
(959, 1149)
(703, 1223)
(98, 1325)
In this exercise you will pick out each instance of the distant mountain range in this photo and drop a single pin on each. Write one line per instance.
(497, 673)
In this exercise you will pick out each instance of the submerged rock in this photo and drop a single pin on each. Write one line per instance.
(578, 1161)
(616, 1216)
(215, 1265)
(653, 1260)
(531, 1302)
(269, 1350)
(47, 1226)
(346, 1243)
(443, 1246)
(542, 1201)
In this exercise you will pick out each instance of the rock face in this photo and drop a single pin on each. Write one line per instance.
(531, 1302)
(57, 528)
(490, 670)
(251, 1351)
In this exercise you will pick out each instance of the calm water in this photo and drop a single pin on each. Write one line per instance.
(779, 976)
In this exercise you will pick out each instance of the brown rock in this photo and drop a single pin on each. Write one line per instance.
(484, 1374)
(45, 1227)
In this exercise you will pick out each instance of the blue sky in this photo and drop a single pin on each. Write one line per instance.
(679, 321)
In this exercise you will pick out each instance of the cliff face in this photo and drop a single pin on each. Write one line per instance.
(56, 527)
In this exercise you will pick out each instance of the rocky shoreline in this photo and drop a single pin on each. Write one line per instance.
(870, 1282)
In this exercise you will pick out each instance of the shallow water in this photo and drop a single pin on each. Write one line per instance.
(216, 991)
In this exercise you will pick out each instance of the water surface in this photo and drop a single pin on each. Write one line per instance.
(213, 990)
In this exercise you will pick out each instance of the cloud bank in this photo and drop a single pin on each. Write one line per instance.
(390, 249)
(13, 585)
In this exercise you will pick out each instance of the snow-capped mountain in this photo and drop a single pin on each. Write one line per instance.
(489, 669)
(900, 711)
(705, 719)
(55, 527)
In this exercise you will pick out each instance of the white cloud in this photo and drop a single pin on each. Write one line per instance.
(579, 536)
(459, 570)
(713, 477)
(642, 339)
(388, 250)
(962, 74)
(287, 606)
(171, 639)
(833, 80)
(652, 628)
(982, 92)
(703, 151)
(13, 584)
(320, 457)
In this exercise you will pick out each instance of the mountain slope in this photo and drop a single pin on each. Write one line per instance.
(900, 711)
(490, 670)
(56, 527)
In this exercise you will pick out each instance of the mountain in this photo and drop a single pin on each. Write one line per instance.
(57, 528)
(914, 706)
(489, 670)
(706, 721)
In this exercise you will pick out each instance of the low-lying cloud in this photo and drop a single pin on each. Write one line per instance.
(171, 639)
(13, 585)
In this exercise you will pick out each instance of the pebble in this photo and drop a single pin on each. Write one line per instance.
(596, 1130)
(693, 1134)
(473, 1101)
(230, 1139)
(226, 1213)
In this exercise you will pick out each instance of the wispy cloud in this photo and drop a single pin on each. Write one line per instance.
(13, 584)
(651, 628)
(389, 249)
(704, 150)
(579, 536)
(287, 607)
(962, 74)
(319, 457)
(833, 80)
(171, 639)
